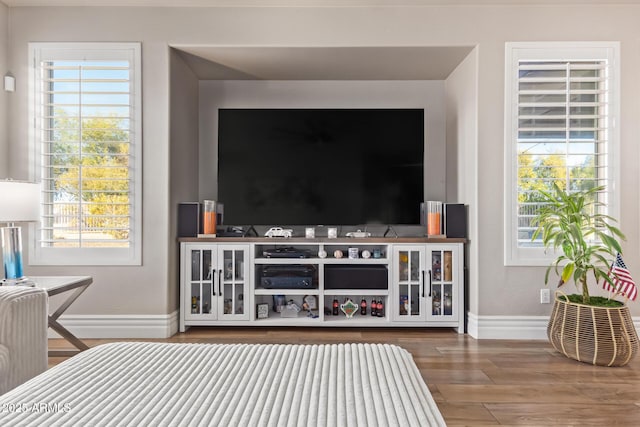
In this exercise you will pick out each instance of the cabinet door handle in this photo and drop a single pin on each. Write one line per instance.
(212, 274)
(423, 284)
(430, 286)
(220, 282)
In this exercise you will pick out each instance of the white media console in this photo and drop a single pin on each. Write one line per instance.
(249, 281)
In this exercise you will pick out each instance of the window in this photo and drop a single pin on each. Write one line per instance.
(86, 140)
(561, 105)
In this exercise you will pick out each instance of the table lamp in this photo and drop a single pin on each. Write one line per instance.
(19, 202)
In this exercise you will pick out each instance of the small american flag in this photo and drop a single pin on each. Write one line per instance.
(621, 278)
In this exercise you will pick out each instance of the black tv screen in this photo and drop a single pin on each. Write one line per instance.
(321, 166)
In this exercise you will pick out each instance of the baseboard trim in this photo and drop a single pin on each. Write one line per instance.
(166, 325)
(508, 327)
(513, 327)
(120, 326)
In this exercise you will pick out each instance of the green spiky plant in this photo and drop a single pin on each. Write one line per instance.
(584, 238)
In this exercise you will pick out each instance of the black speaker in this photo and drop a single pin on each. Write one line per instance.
(455, 220)
(188, 219)
(355, 277)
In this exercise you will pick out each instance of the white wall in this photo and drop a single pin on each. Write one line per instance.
(514, 291)
(117, 291)
(4, 96)
(461, 88)
(501, 290)
(428, 95)
(183, 148)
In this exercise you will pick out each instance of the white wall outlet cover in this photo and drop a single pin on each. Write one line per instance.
(545, 296)
(9, 83)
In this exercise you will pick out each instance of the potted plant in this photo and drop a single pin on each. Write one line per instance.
(597, 330)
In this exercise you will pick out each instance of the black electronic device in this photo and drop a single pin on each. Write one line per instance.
(288, 270)
(455, 220)
(189, 219)
(286, 282)
(287, 276)
(286, 252)
(356, 277)
(272, 165)
(230, 232)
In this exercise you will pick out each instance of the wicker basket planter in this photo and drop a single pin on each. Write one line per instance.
(603, 336)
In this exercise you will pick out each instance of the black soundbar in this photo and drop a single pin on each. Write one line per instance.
(356, 277)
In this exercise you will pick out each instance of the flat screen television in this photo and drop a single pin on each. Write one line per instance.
(321, 166)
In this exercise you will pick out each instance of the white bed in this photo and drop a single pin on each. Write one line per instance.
(159, 384)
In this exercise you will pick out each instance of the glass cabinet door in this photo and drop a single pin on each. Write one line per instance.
(441, 287)
(200, 293)
(233, 271)
(409, 279)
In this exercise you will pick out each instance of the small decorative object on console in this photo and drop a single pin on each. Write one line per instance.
(279, 232)
(366, 254)
(310, 305)
(434, 218)
(278, 303)
(332, 232)
(290, 310)
(358, 234)
(262, 311)
(322, 253)
(338, 253)
(349, 308)
(380, 309)
(209, 218)
(310, 302)
(353, 253)
(404, 305)
(310, 232)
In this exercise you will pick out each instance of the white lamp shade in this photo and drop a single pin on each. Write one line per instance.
(19, 201)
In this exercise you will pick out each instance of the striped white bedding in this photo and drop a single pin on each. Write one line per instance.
(159, 384)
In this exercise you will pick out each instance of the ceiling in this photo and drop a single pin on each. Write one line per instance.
(323, 63)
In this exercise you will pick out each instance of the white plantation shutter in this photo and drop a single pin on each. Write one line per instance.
(87, 140)
(561, 105)
(562, 118)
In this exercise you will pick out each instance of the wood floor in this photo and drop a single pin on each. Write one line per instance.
(477, 382)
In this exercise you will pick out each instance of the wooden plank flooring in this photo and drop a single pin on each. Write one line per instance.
(475, 382)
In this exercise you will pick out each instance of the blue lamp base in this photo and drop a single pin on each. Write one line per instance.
(12, 257)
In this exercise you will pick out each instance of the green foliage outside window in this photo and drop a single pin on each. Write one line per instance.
(91, 173)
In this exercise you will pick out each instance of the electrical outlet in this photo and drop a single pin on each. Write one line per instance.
(545, 296)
